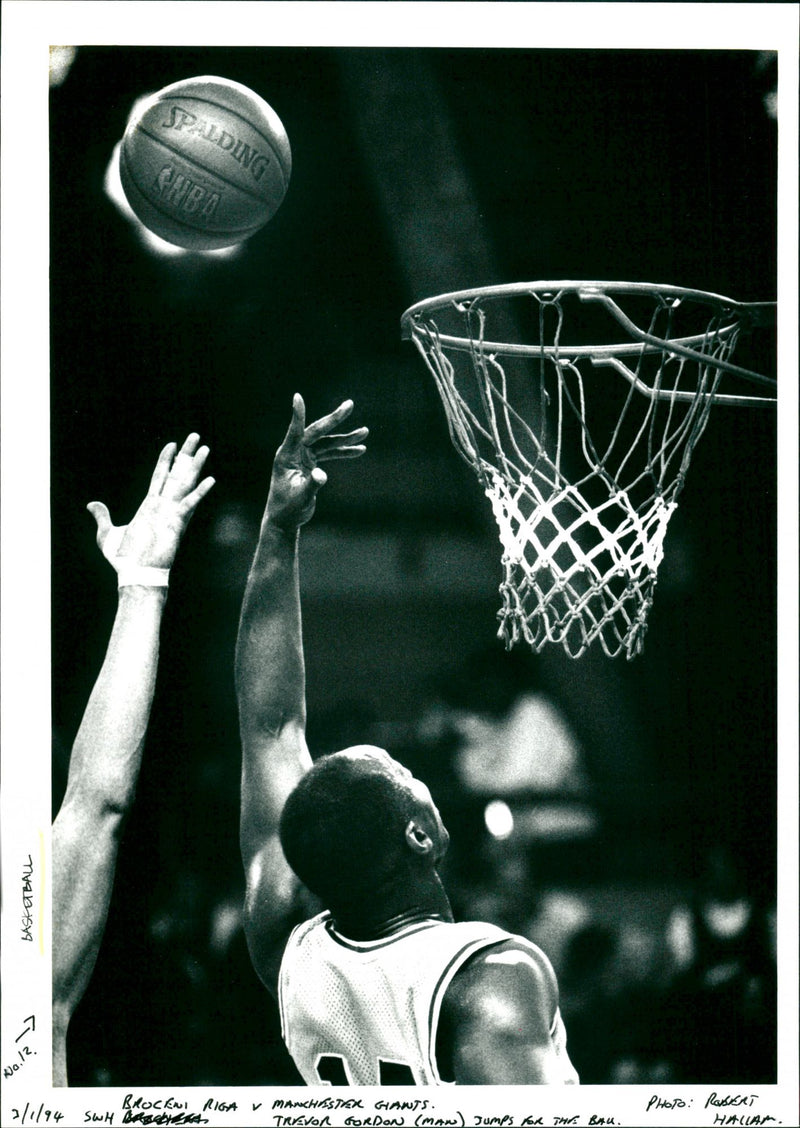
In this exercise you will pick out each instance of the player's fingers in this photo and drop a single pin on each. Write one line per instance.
(326, 424)
(183, 468)
(102, 518)
(195, 467)
(192, 499)
(162, 468)
(186, 469)
(332, 442)
(347, 436)
(297, 425)
(109, 536)
(190, 444)
(341, 452)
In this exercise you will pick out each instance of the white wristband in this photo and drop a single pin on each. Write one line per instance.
(132, 574)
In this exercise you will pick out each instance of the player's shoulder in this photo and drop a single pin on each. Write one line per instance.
(309, 926)
(506, 948)
(511, 971)
(505, 993)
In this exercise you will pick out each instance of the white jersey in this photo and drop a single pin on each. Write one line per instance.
(366, 1012)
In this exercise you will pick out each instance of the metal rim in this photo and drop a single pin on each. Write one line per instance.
(599, 291)
(512, 289)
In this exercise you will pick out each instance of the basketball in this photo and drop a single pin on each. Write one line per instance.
(205, 163)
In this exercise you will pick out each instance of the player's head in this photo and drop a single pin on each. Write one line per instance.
(359, 823)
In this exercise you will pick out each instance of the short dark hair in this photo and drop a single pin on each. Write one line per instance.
(342, 828)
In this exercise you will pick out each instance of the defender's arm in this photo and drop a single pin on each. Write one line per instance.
(106, 755)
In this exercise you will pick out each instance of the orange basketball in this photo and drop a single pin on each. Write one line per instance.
(205, 163)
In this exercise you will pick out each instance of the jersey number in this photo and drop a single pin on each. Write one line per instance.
(330, 1068)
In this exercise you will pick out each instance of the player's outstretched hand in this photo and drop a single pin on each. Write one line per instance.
(296, 473)
(152, 537)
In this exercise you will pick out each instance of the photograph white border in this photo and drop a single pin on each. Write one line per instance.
(29, 27)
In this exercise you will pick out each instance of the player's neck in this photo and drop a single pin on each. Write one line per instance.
(389, 927)
(385, 918)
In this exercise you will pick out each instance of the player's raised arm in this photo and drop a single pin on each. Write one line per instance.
(270, 677)
(104, 765)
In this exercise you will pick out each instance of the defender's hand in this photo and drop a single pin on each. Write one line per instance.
(296, 474)
(152, 537)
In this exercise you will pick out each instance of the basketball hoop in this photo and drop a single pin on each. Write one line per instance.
(583, 473)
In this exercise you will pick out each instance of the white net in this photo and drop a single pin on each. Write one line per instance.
(559, 591)
(583, 469)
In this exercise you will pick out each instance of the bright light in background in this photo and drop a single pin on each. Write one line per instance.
(498, 818)
(61, 59)
(112, 186)
(767, 64)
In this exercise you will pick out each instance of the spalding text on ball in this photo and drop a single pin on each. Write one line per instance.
(205, 163)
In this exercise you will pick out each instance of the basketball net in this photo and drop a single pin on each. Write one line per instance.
(583, 473)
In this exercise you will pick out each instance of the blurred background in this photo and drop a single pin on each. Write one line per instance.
(621, 815)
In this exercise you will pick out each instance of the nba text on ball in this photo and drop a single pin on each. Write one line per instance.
(182, 193)
(182, 121)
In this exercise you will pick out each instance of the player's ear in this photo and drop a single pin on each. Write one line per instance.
(418, 839)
